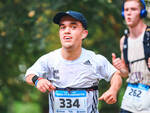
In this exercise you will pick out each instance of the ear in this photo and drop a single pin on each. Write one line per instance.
(84, 34)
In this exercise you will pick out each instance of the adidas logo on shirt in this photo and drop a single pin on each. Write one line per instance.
(87, 62)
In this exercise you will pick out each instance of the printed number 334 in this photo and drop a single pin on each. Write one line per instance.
(68, 103)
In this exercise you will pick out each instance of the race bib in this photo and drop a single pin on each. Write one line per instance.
(136, 92)
(70, 101)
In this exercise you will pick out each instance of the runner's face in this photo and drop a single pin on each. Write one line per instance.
(71, 32)
(132, 13)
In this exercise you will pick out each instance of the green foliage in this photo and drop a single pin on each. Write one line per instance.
(19, 107)
(27, 32)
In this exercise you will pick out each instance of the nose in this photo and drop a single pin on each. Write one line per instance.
(67, 30)
(129, 12)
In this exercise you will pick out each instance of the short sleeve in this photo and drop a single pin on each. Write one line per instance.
(105, 68)
(39, 68)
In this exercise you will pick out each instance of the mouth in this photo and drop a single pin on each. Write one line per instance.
(128, 19)
(67, 38)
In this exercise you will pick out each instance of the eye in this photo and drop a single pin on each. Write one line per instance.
(126, 9)
(133, 9)
(73, 27)
(62, 27)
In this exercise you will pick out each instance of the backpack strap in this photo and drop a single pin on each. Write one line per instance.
(146, 44)
(125, 48)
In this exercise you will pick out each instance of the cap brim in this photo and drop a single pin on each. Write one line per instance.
(76, 15)
(58, 17)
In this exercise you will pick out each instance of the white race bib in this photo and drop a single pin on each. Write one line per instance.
(137, 98)
(70, 101)
(136, 92)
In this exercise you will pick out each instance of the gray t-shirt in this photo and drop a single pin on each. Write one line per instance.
(86, 71)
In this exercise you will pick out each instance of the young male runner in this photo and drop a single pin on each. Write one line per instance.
(135, 58)
(71, 73)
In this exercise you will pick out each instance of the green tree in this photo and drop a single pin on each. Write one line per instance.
(27, 32)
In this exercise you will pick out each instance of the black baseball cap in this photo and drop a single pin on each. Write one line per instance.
(74, 14)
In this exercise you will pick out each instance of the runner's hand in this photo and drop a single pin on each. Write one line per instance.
(44, 85)
(116, 61)
(110, 97)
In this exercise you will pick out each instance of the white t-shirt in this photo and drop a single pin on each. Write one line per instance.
(86, 71)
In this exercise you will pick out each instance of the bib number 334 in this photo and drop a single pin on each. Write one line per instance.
(70, 101)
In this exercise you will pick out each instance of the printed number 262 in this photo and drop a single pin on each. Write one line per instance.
(135, 92)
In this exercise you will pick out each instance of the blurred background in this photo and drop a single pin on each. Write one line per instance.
(27, 32)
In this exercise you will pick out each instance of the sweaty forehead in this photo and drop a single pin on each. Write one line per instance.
(70, 20)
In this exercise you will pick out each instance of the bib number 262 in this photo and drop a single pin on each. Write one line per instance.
(135, 92)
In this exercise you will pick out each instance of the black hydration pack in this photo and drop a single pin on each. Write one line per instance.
(146, 45)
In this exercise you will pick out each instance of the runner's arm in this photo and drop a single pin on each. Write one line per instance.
(124, 69)
(110, 96)
(42, 84)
